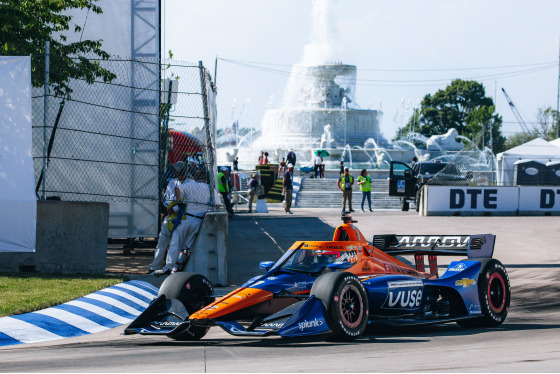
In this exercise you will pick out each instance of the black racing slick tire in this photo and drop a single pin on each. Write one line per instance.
(195, 292)
(346, 304)
(494, 291)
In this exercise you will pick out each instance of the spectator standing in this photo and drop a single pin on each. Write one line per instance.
(288, 187)
(265, 159)
(341, 167)
(345, 183)
(197, 196)
(169, 202)
(224, 188)
(282, 168)
(364, 181)
(261, 158)
(252, 186)
(236, 163)
(291, 157)
(318, 166)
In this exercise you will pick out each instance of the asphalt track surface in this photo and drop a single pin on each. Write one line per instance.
(528, 341)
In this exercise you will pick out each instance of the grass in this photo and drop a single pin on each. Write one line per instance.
(275, 193)
(26, 292)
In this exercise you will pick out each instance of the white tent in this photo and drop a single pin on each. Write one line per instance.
(537, 150)
(555, 142)
(18, 204)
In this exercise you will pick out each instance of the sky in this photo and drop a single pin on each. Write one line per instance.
(403, 50)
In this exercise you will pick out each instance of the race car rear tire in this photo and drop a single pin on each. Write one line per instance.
(494, 291)
(346, 304)
(195, 292)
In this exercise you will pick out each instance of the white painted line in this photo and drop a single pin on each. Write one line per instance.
(73, 319)
(126, 296)
(139, 290)
(98, 310)
(25, 332)
(114, 302)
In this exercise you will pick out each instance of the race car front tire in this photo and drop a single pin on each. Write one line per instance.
(195, 292)
(494, 291)
(346, 304)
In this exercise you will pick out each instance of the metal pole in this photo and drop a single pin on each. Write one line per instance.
(558, 96)
(216, 70)
(209, 148)
(45, 110)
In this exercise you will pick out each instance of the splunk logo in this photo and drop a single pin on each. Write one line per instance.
(310, 324)
(404, 295)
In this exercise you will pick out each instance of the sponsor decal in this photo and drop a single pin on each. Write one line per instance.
(336, 299)
(408, 283)
(272, 278)
(301, 285)
(310, 324)
(404, 294)
(334, 247)
(465, 282)
(474, 309)
(435, 241)
(458, 267)
(275, 325)
(351, 247)
(387, 269)
(165, 323)
(188, 286)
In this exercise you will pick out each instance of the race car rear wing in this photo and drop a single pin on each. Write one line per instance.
(437, 245)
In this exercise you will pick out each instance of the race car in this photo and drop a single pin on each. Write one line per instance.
(336, 288)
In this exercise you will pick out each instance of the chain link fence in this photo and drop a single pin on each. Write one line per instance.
(113, 141)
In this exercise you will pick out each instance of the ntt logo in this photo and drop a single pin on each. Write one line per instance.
(310, 324)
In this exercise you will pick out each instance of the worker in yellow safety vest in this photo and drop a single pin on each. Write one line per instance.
(364, 181)
(345, 183)
(223, 189)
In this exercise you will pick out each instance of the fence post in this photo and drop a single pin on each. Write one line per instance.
(45, 110)
(209, 146)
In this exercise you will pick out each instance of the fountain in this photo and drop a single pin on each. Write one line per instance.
(320, 111)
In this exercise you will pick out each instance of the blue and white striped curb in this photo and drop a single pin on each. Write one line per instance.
(100, 311)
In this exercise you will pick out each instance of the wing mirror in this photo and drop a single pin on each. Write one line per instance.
(266, 265)
(339, 265)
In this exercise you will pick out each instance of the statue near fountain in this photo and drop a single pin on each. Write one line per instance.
(445, 142)
(327, 140)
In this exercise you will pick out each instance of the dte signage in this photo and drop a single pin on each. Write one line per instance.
(472, 199)
(539, 199)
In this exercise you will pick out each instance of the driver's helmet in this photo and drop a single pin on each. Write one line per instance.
(306, 256)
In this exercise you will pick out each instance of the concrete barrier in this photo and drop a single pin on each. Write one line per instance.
(210, 249)
(71, 239)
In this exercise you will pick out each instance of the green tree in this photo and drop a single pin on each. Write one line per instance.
(461, 105)
(520, 138)
(25, 26)
(547, 126)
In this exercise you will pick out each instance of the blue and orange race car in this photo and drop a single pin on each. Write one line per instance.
(336, 288)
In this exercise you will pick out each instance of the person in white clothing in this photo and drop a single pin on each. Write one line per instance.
(165, 234)
(197, 197)
(318, 166)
